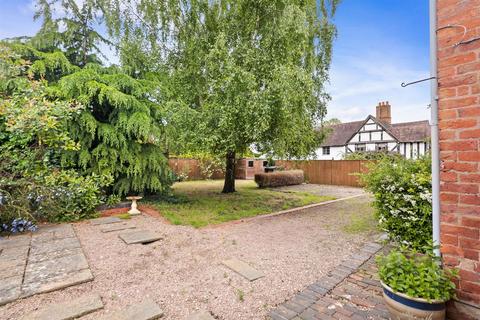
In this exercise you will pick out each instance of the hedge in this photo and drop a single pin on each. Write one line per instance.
(279, 178)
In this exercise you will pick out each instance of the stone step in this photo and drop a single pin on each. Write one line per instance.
(243, 269)
(147, 310)
(68, 310)
(105, 220)
(139, 236)
(117, 227)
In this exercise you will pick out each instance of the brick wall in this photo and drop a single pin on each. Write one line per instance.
(459, 125)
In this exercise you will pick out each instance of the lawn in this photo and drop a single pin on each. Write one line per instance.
(201, 202)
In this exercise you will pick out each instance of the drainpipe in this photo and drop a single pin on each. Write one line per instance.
(435, 150)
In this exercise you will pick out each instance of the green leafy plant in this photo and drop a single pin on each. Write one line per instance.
(417, 274)
(71, 197)
(371, 155)
(403, 200)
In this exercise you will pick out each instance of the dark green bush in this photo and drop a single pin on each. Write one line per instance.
(403, 198)
(279, 178)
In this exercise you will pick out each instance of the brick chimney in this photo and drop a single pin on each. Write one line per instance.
(384, 112)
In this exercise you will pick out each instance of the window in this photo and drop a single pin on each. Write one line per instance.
(326, 151)
(265, 163)
(250, 163)
(361, 147)
(381, 147)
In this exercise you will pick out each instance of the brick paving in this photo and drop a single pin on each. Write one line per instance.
(350, 291)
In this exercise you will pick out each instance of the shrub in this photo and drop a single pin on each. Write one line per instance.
(71, 197)
(58, 196)
(403, 201)
(279, 178)
(370, 155)
(416, 275)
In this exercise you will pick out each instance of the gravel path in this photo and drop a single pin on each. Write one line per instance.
(325, 190)
(183, 272)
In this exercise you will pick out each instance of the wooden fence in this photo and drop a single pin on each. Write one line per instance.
(192, 169)
(334, 172)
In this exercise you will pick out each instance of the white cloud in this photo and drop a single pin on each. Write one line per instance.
(359, 82)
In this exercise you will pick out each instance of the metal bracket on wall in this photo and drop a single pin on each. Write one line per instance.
(413, 82)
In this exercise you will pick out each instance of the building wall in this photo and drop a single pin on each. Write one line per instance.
(244, 171)
(413, 150)
(459, 126)
(336, 153)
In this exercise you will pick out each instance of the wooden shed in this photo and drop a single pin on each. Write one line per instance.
(247, 167)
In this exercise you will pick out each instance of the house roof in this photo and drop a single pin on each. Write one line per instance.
(342, 132)
(403, 132)
(411, 131)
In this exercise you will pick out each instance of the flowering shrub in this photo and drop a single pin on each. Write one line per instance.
(18, 225)
(67, 196)
(403, 198)
(58, 196)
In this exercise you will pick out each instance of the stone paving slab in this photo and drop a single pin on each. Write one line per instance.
(15, 241)
(243, 269)
(105, 220)
(201, 315)
(147, 310)
(139, 236)
(68, 310)
(44, 261)
(117, 227)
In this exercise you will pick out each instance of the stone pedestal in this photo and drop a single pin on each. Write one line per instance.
(134, 210)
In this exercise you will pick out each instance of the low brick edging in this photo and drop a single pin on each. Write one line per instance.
(306, 303)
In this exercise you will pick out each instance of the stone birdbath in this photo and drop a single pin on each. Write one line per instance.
(134, 210)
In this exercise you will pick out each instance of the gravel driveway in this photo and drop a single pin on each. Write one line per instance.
(183, 272)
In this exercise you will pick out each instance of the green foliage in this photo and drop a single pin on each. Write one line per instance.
(243, 72)
(71, 29)
(33, 136)
(71, 197)
(370, 155)
(417, 275)
(403, 200)
(122, 132)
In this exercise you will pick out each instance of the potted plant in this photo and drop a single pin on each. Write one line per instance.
(414, 284)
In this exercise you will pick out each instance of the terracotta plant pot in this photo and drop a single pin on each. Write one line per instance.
(403, 307)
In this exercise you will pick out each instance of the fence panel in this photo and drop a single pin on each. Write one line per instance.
(333, 172)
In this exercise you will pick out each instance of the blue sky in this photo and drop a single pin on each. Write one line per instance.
(380, 44)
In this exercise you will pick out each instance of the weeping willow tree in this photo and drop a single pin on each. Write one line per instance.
(119, 132)
(246, 73)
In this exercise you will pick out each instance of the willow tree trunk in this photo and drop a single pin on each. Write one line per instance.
(229, 184)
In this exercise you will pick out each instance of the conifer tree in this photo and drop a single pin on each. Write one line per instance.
(71, 28)
(119, 132)
(122, 132)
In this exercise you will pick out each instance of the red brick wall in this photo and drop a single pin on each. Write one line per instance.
(459, 125)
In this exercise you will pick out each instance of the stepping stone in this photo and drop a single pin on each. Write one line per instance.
(201, 315)
(243, 269)
(139, 236)
(68, 310)
(105, 220)
(117, 227)
(148, 310)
